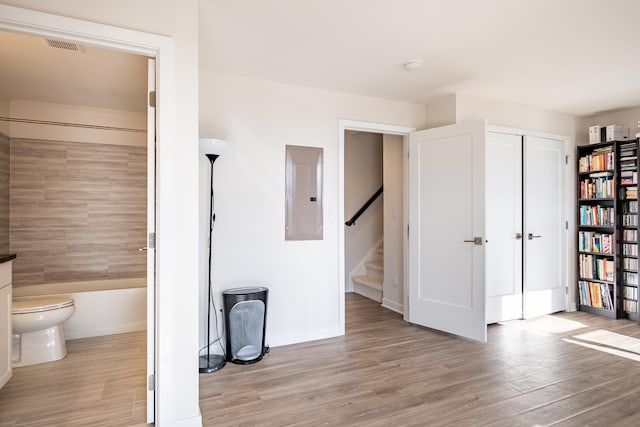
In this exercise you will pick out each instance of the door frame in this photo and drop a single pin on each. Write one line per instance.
(370, 127)
(567, 201)
(40, 24)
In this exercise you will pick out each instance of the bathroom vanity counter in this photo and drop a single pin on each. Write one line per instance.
(6, 257)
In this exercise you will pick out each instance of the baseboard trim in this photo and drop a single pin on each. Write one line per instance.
(393, 305)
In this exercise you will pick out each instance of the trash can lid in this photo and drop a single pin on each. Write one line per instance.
(245, 291)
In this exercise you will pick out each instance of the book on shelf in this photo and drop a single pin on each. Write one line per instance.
(630, 292)
(600, 159)
(629, 219)
(597, 215)
(597, 188)
(628, 147)
(630, 263)
(598, 268)
(631, 278)
(630, 306)
(630, 249)
(628, 177)
(630, 206)
(605, 296)
(589, 241)
(595, 295)
(631, 192)
(629, 235)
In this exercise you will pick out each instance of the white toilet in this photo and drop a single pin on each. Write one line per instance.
(38, 336)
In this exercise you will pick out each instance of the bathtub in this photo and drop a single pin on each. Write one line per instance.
(103, 307)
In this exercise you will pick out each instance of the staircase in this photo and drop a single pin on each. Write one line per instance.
(370, 283)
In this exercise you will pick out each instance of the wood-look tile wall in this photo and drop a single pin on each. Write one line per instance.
(77, 211)
(4, 194)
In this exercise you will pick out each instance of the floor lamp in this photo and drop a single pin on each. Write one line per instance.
(212, 148)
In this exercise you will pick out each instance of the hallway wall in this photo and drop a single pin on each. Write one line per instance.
(362, 178)
(394, 232)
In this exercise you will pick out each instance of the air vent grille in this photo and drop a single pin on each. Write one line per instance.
(63, 44)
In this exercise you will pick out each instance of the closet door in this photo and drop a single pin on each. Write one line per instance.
(504, 227)
(544, 260)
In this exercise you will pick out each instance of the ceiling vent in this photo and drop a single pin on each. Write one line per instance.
(64, 44)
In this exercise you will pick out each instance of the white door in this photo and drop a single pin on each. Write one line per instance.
(151, 252)
(446, 229)
(504, 227)
(543, 226)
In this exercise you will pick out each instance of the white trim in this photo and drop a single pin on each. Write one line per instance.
(526, 132)
(392, 305)
(344, 125)
(162, 47)
(27, 21)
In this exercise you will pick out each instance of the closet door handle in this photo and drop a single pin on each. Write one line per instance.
(142, 248)
(531, 236)
(475, 241)
(518, 236)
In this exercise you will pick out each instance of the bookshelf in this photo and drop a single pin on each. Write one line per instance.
(608, 232)
(628, 230)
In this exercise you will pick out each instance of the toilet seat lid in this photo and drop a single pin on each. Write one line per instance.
(24, 305)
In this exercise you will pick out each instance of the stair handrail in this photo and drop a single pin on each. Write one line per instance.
(364, 207)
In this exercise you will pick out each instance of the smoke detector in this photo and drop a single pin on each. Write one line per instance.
(413, 65)
(63, 44)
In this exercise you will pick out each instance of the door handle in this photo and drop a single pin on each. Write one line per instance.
(531, 236)
(475, 241)
(142, 248)
(518, 236)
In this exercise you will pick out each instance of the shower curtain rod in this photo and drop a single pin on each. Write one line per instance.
(73, 125)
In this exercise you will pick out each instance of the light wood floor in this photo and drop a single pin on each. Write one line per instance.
(570, 369)
(101, 382)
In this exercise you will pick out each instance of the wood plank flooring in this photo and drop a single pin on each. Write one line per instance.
(570, 369)
(101, 382)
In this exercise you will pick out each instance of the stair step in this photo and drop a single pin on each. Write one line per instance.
(368, 281)
(377, 265)
(368, 286)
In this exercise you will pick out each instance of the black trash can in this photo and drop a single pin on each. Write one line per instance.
(245, 314)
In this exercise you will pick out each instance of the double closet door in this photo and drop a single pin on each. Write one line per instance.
(525, 226)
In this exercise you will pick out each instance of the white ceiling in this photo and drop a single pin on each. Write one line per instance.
(574, 56)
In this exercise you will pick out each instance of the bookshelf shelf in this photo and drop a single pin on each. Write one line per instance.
(608, 234)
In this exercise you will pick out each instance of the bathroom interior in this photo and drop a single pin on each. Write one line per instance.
(73, 184)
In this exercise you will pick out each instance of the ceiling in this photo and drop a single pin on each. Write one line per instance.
(32, 70)
(573, 56)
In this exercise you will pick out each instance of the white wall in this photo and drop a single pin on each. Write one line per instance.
(177, 177)
(393, 292)
(515, 116)
(441, 111)
(362, 178)
(259, 118)
(628, 117)
(24, 109)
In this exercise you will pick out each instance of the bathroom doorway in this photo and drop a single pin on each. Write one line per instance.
(98, 248)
